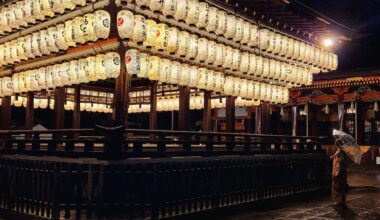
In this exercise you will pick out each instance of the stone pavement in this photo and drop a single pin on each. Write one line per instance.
(363, 202)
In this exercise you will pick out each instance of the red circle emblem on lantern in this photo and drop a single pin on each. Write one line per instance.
(128, 59)
(120, 21)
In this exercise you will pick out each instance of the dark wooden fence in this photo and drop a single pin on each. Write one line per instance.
(122, 173)
(126, 143)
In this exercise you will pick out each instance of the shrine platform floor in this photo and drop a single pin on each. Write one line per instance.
(363, 202)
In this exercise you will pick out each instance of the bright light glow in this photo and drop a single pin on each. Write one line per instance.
(328, 42)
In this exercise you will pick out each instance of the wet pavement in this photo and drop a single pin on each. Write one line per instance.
(363, 202)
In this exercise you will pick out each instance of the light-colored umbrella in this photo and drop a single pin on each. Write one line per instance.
(348, 144)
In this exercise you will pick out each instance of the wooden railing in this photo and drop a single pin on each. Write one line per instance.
(122, 143)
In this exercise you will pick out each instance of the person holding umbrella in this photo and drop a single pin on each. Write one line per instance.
(347, 147)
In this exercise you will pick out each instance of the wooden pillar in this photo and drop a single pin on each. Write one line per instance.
(294, 120)
(248, 122)
(6, 109)
(265, 115)
(230, 114)
(76, 112)
(360, 122)
(59, 110)
(29, 111)
(313, 124)
(184, 108)
(153, 106)
(207, 111)
(258, 121)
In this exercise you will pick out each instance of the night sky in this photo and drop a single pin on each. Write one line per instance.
(364, 17)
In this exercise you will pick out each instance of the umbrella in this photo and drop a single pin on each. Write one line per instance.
(348, 144)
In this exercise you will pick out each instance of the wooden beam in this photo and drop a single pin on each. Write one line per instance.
(265, 121)
(153, 106)
(258, 120)
(59, 110)
(230, 114)
(184, 108)
(207, 111)
(29, 111)
(6, 109)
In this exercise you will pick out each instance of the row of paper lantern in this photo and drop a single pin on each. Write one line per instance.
(230, 26)
(21, 13)
(172, 72)
(81, 29)
(92, 68)
(43, 103)
(196, 102)
(205, 51)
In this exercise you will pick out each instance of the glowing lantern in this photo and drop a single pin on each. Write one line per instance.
(265, 37)
(254, 39)
(202, 50)
(245, 63)
(184, 43)
(236, 59)
(246, 33)
(173, 42)
(60, 38)
(222, 22)
(211, 53)
(169, 8)
(151, 33)
(231, 27)
(78, 33)
(155, 5)
(165, 68)
(219, 55)
(239, 30)
(154, 67)
(181, 10)
(193, 12)
(193, 47)
(213, 19)
(102, 21)
(100, 68)
(89, 31)
(228, 58)
(139, 29)
(175, 72)
(184, 77)
(193, 72)
(162, 36)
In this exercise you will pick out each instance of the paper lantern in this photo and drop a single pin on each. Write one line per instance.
(154, 67)
(63, 74)
(43, 103)
(142, 3)
(78, 34)
(184, 77)
(219, 55)
(296, 50)
(49, 76)
(89, 31)
(17, 101)
(19, 13)
(51, 103)
(14, 52)
(144, 65)
(203, 15)
(246, 32)
(250, 90)
(229, 86)
(213, 19)
(211, 52)
(102, 20)
(193, 47)
(264, 39)
(69, 33)
(87, 68)
(284, 45)
(231, 27)
(302, 51)
(202, 50)
(184, 43)
(244, 63)
(35, 45)
(211, 80)
(41, 79)
(36, 103)
(181, 10)
(151, 33)
(100, 68)
(60, 38)
(155, 5)
(15, 83)
(254, 39)
(50, 39)
(112, 64)
(203, 77)
(259, 66)
(33, 80)
(165, 68)
(193, 12)
(162, 36)
(27, 10)
(173, 42)
(73, 72)
(125, 23)
(38, 12)
(132, 61)
(193, 72)
(307, 54)
(169, 8)
(272, 69)
(278, 43)
(43, 42)
(219, 81)
(222, 22)
(175, 72)
(68, 4)
(290, 52)
(236, 86)
(239, 30)
(228, 57)
(236, 59)
(6, 86)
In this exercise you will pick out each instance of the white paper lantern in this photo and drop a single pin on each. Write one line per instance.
(290, 52)
(33, 80)
(173, 42)
(213, 19)
(231, 27)
(15, 83)
(193, 72)
(125, 23)
(102, 22)
(184, 77)
(154, 67)
(278, 43)
(175, 73)
(87, 67)
(35, 44)
(229, 86)
(284, 46)
(69, 33)
(239, 30)
(155, 5)
(164, 73)
(219, 55)
(151, 33)
(244, 63)
(222, 22)
(219, 82)
(211, 53)
(100, 68)
(112, 64)
(259, 67)
(73, 72)
(202, 50)
(193, 12)
(162, 36)
(43, 43)
(89, 31)
(50, 39)
(169, 8)
(265, 39)
(142, 3)
(43, 103)
(184, 44)
(181, 10)
(193, 47)
(6, 86)
(132, 61)
(228, 57)
(236, 86)
(302, 51)
(236, 59)
(60, 37)
(296, 51)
